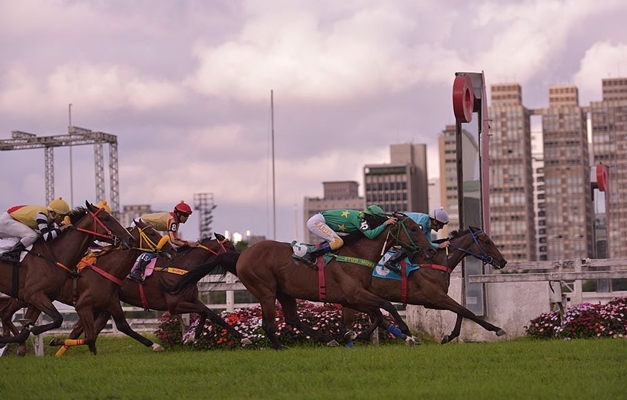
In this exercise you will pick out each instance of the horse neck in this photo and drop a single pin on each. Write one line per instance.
(197, 255)
(69, 247)
(369, 249)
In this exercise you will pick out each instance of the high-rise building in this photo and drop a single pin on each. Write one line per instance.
(568, 200)
(609, 137)
(449, 196)
(337, 195)
(512, 217)
(401, 185)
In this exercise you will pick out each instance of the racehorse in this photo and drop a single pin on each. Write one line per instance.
(43, 272)
(153, 295)
(270, 273)
(428, 286)
(95, 285)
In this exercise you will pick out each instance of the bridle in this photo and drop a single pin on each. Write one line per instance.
(412, 246)
(109, 235)
(483, 256)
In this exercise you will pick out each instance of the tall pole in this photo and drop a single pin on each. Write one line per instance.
(69, 128)
(273, 181)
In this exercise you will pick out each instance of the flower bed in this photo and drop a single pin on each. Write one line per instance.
(582, 321)
(326, 318)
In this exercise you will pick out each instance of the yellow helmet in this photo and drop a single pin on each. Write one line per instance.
(103, 204)
(59, 206)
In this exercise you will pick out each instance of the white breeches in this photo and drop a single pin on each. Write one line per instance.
(318, 226)
(12, 228)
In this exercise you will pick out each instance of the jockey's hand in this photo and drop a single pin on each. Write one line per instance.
(444, 244)
(391, 221)
(193, 244)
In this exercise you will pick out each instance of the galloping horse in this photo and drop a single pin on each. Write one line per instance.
(271, 273)
(428, 286)
(43, 272)
(95, 285)
(153, 295)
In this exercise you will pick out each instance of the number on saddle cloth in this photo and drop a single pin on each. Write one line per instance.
(300, 249)
(381, 271)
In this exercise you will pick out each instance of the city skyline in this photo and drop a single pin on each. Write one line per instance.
(185, 86)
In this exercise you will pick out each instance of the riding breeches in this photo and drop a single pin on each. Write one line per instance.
(318, 226)
(10, 228)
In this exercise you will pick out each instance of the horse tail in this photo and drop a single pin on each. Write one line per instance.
(223, 262)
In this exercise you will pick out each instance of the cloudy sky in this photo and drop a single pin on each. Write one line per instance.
(185, 85)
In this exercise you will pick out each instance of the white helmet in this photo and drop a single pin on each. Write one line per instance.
(440, 215)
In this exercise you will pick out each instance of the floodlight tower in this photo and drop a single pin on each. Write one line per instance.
(204, 206)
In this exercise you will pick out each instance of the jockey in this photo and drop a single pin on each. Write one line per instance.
(167, 222)
(326, 224)
(428, 222)
(27, 223)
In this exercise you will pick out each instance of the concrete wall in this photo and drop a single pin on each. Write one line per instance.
(510, 306)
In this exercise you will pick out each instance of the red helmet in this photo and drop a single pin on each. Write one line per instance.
(183, 208)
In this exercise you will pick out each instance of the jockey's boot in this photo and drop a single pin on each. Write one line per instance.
(137, 273)
(13, 254)
(398, 254)
(311, 257)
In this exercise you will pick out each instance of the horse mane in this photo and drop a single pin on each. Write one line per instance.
(76, 214)
(455, 234)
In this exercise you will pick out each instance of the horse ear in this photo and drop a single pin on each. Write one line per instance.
(89, 206)
(218, 236)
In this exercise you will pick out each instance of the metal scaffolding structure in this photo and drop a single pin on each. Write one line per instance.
(204, 206)
(76, 137)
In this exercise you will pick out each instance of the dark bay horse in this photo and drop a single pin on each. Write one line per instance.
(154, 295)
(95, 284)
(271, 273)
(43, 272)
(428, 286)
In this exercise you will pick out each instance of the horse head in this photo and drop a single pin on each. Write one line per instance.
(409, 235)
(150, 240)
(483, 248)
(105, 227)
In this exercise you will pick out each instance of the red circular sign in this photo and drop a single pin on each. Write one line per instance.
(603, 177)
(463, 98)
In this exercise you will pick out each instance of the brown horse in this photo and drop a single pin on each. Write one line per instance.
(270, 272)
(95, 285)
(43, 272)
(153, 295)
(428, 286)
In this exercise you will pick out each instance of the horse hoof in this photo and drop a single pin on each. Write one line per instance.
(157, 348)
(333, 343)
(246, 342)
(445, 340)
(412, 341)
(501, 332)
(55, 342)
(21, 352)
(350, 335)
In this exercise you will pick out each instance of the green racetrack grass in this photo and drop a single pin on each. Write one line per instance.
(518, 369)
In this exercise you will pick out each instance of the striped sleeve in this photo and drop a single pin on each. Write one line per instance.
(48, 230)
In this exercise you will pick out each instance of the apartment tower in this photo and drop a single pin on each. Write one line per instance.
(512, 218)
(609, 137)
(568, 200)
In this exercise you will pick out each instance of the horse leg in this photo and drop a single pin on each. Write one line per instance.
(38, 302)
(346, 323)
(290, 313)
(10, 307)
(199, 308)
(444, 302)
(456, 331)
(115, 310)
(86, 316)
(367, 299)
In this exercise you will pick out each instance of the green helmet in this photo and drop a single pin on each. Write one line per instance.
(375, 209)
